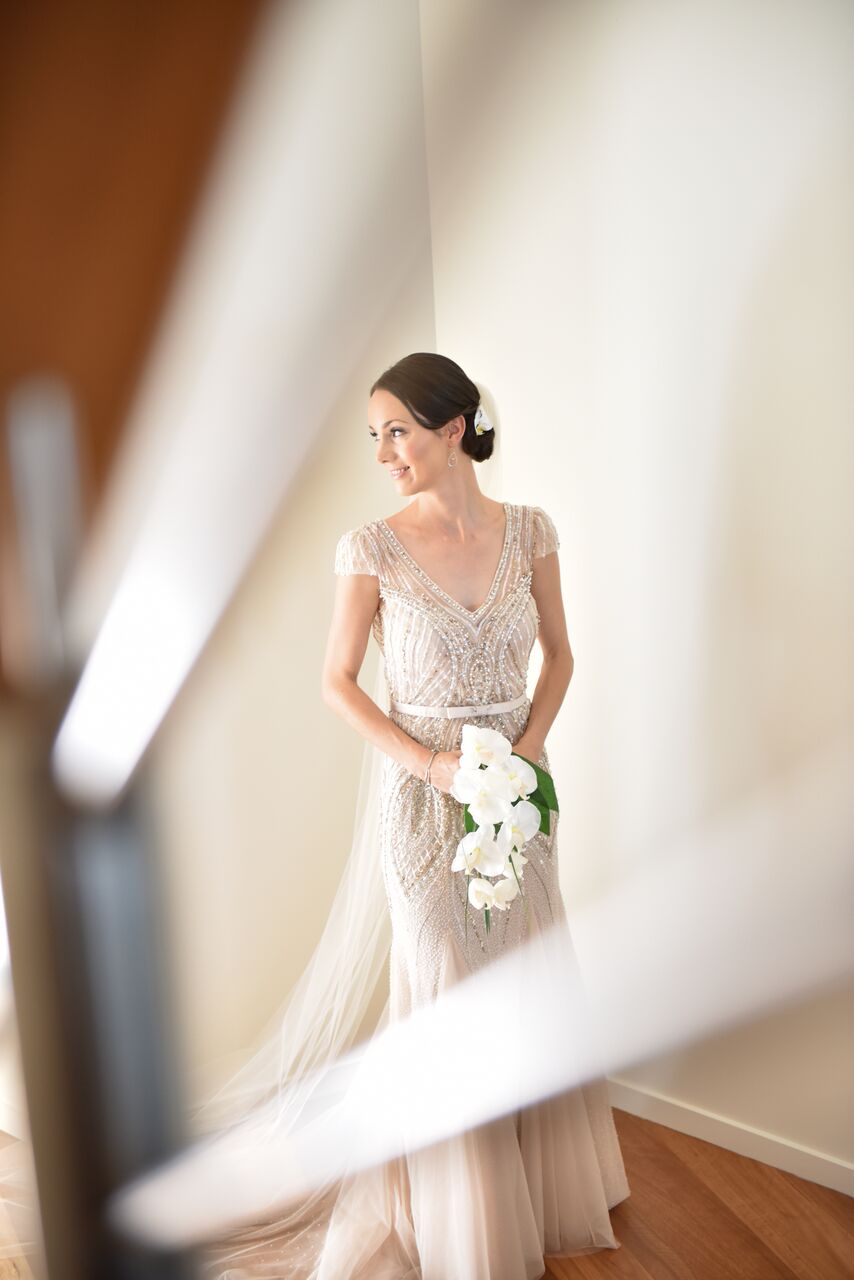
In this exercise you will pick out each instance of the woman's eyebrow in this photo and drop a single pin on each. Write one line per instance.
(386, 424)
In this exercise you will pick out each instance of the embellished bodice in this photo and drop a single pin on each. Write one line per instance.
(436, 651)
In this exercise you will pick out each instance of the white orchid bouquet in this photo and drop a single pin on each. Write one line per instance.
(506, 800)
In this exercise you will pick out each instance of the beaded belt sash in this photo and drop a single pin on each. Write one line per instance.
(450, 713)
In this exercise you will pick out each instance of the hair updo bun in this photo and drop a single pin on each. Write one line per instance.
(435, 389)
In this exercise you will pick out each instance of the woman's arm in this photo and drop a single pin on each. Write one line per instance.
(558, 661)
(356, 601)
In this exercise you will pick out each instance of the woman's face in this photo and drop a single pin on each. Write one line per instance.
(413, 456)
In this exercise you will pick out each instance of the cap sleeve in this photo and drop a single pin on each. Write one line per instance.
(355, 553)
(544, 532)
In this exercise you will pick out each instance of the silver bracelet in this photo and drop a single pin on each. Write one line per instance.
(429, 763)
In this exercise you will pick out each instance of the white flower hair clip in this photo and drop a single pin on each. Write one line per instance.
(482, 421)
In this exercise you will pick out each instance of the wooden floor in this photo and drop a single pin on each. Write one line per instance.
(697, 1212)
(11, 1269)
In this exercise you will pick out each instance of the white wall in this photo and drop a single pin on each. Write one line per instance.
(641, 222)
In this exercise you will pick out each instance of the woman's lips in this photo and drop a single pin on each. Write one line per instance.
(398, 471)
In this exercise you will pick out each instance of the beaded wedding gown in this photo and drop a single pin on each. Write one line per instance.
(490, 1203)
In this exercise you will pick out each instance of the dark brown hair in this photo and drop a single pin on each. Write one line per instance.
(435, 389)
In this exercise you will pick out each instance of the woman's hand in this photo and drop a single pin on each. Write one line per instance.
(530, 750)
(443, 768)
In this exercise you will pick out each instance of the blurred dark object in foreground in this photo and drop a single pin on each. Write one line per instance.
(90, 977)
(88, 963)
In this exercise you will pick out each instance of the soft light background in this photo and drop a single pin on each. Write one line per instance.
(642, 236)
(632, 224)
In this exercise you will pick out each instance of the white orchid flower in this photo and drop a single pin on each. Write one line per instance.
(503, 893)
(516, 860)
(522, 777)
(476, 851)
(465, 783)
(492, 860)
(483, 746)
(481, 893)
(517, 829)
(487, 792)
(488, 806)
(468, 852)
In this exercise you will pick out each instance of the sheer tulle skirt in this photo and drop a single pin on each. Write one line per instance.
(487, 1204)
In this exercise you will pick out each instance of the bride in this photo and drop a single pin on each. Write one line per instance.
(455, 589)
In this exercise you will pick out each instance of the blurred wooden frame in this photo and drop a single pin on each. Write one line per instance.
(110, 115)
(110, 118)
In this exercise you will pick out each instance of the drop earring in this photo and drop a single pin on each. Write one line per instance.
(452, 458)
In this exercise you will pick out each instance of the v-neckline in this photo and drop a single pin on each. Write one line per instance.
(421, 573)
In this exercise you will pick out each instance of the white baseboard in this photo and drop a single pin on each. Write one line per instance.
(814, 1166)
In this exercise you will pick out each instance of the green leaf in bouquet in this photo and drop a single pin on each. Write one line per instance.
(468, 820)
(547, 788)
(545, 821)
(545, 784)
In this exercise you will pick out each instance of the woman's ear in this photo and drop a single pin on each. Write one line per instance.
(456, 428)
